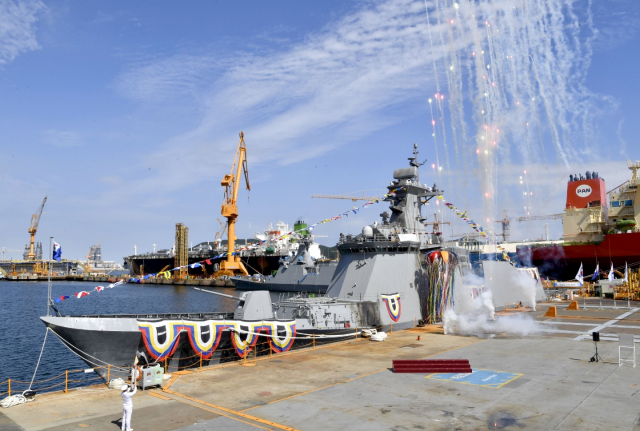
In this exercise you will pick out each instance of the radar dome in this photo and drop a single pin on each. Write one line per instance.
(367, 231)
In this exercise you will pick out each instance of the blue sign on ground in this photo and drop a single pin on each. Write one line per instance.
(488, 378)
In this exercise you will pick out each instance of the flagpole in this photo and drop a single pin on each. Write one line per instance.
(49, 275)
(626, 278)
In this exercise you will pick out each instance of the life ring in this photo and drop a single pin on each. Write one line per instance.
(139, 376)
(216, 267)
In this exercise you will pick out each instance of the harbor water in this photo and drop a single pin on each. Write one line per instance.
(23, 332)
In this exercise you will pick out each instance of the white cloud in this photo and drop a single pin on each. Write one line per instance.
(356, 76)
(313, 96)
(62, 138)
(18, 28)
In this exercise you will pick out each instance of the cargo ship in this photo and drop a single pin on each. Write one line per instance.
(599, 227)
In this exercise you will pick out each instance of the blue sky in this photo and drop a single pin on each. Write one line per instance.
(127, 115)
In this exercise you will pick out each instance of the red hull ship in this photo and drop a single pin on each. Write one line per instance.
(598, 227)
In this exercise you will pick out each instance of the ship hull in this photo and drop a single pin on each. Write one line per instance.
(562, 262)
(118, 341)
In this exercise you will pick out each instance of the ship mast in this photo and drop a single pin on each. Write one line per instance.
(233, 265)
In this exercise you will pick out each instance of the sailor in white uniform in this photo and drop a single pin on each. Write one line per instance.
(127, 406)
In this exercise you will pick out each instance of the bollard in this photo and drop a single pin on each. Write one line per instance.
(356, 333)
(165, 365)
(200, 362)
(108, 373)
(9, 387)
(314, 341)
(391, 329)
(66, 380)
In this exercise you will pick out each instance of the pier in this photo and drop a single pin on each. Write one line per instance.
(543, 381)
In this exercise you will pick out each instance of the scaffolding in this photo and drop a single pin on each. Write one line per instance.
(182, 251)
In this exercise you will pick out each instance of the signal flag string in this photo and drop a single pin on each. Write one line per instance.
(167, 273)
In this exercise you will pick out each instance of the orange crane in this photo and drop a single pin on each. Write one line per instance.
(233, 265)
(35, 220)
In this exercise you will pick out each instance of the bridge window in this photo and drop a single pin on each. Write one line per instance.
(615, 204)
(628, 203)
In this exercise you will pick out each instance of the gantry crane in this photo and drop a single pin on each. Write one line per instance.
(231, 182)
(35, 220)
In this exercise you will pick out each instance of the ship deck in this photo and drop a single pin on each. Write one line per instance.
(543, 381)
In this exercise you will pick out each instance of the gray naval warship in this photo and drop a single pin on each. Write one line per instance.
(300, 272)
(379, 281)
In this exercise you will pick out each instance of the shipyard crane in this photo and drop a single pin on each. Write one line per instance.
(231, 182)
(506, 228)
(219, 233)
(8, 250)
(35, 220)
(539, 217)
(506, 220)
(436, 223)
(91, 255)
(352, 198)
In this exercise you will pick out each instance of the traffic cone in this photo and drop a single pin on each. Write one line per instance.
(573, 306)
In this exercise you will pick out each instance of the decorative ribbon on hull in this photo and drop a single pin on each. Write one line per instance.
(161, 338)
(393, 305)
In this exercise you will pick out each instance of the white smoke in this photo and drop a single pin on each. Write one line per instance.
(528, 286)
(476, 316)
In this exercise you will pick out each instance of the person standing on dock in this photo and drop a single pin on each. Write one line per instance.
(128, 391)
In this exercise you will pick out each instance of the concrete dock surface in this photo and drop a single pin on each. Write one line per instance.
(542, 381)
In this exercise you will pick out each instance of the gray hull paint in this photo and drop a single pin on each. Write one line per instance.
(294, 278)
(99, 341)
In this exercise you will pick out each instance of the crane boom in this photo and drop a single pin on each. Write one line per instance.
(353, 198)
(33, 228)
(539, 217)
(233, 265)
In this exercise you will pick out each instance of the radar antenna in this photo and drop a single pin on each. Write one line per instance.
(413, 161)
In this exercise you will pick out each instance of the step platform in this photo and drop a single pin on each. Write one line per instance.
(428, 366)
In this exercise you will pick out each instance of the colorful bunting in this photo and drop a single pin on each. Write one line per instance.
(463, 216)
(167, 274)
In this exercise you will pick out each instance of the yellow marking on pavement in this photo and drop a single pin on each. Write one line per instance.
(158, 395)
(233, 412)
(511, 380)
(217, 412)
(353, 378)
(171, 381)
